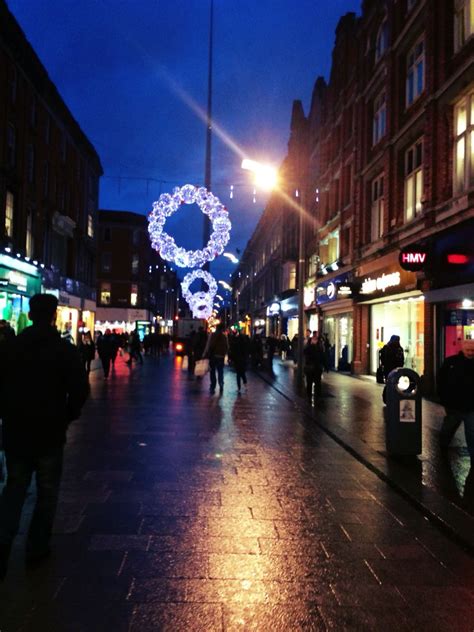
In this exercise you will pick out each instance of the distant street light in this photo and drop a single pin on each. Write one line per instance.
(266, 176)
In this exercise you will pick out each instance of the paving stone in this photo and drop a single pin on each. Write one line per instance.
(233, 515)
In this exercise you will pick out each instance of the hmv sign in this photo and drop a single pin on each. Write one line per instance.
(413, 258)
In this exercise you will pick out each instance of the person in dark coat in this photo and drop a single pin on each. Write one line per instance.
(272, 344)
(391, 355)
(43, 387)
(217, 348)
(106, 348)
(313, 366)
(87, 350)
(6, 331)
(456, 392)
(135, 348)
(239, 354)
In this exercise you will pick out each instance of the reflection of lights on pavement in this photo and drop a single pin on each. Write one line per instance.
(246, 584)
(218, 455)
(142, 445)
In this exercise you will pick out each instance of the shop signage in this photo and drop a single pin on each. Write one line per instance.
(15, 276)
(336, 288)
(381, 283)
(17, 279)
(274, 309)
(413, 258)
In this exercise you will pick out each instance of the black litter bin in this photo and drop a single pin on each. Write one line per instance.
(403, 412)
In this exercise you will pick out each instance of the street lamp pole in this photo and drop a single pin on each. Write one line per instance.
(207, 174)
(301, 282)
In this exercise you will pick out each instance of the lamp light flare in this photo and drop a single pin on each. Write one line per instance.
(266, 177)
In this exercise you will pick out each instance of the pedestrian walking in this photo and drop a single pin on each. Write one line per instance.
(239, 354)
(216, 349)
(456, 392)
(391, 355)
(134, 346)
(6, 331)
(43, 387)
(313, 367)
(284, 347)
(105, 349)
(86, 350)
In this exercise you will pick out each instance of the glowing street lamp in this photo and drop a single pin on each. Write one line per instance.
(266, 176)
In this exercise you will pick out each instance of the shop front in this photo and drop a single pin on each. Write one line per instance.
(335, 300)
(289, 316)
(19, 280)
(451, 294)
(273, 320)
(395, 307)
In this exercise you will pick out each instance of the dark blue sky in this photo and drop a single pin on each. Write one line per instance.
(132, 72)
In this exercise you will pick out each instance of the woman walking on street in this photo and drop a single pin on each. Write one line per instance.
(105, 349)
(216, 350)
(313, 367)
(239, 354)
(87, 351)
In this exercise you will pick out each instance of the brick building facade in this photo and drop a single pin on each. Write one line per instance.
(391, 168)
(133, 282)
(49, 183)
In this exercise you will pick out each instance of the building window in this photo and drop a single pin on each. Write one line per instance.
(413, 180)
(90, 226)
(463, 22)
(106, 234)
(381, 42)
(46, 179)
(106, 261)
(415, 72)
(134, 295)
(329, 249)
(380, 119)
(464, 144)
(105, 295)
(135, 263)
(11, 145)
(9, 209)
(29, 234)
(31, 164)
(377, 208)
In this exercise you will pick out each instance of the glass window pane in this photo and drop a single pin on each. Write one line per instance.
(461, 121)
(409, 195)
(471, 166)
(460, 154)
(419, 190)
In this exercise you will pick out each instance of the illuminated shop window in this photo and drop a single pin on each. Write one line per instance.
(9, 207)
(105, 295)
(464, 144)
(90, 226)
(134, 295)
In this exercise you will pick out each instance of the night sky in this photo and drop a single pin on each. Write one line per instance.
(134, 75)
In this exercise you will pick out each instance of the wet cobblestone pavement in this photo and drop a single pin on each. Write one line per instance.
(185, 511)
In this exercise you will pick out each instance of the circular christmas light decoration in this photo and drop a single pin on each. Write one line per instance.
(201, 302)
(210, 205)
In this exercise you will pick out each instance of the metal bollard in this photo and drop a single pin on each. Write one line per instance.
(403, 412)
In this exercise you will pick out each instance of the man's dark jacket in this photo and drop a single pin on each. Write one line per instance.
(456, 383)
(43, 386)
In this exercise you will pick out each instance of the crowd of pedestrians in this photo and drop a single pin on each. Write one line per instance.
(44, 385)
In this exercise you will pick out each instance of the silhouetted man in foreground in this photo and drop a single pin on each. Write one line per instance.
(43, 386)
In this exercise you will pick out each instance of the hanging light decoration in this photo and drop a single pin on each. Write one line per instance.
(210, 205)
(201, 303)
